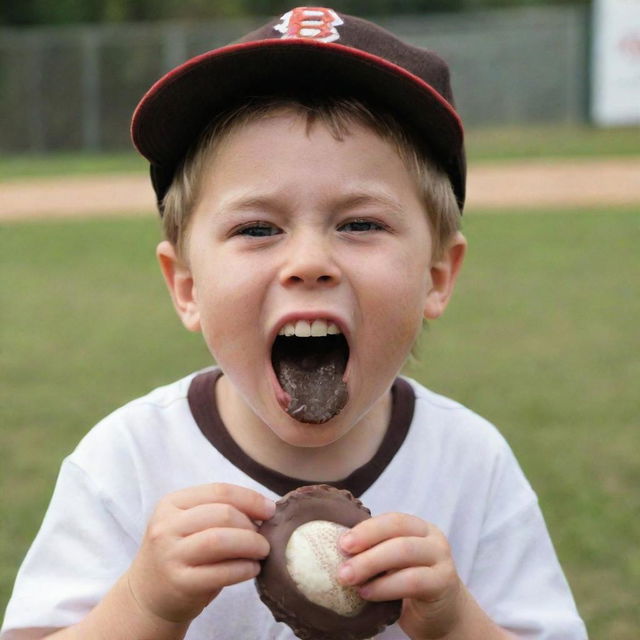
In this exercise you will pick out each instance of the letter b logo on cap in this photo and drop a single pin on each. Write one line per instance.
(316, 23)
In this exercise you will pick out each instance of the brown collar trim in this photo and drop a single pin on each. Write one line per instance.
(202, 402)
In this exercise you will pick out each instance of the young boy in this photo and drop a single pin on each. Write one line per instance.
(311, 180)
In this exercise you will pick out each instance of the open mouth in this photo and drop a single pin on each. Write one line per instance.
(309, 360)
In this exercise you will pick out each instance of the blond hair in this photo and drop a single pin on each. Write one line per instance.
(338, 115)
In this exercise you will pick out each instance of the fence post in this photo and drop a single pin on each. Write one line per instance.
(35, 101)
(174, 46)
(91, 138)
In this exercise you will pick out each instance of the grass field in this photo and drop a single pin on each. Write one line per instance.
(542, 339)
(483, 144)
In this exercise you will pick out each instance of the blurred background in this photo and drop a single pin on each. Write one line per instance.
(541, 338)
(73, 85)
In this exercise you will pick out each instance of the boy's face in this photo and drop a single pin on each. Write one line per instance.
(293, 225)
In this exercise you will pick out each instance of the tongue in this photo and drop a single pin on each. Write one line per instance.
(312, 376)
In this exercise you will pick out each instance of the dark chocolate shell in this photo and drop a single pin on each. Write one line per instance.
(310, 621)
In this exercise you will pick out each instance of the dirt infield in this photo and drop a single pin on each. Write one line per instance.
(512, 187)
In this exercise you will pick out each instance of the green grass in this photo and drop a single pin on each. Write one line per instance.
(570, 141)
(41, 165)
(541, 338)
(483, 145)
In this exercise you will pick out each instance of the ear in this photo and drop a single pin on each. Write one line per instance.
(177, 275)
(444, 273)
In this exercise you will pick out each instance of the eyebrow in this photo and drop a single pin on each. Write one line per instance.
(372, 198)
(243, 202)
(270, 202)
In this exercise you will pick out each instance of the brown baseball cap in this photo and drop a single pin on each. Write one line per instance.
(309, 51)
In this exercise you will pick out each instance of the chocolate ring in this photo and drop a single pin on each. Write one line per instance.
(295, 550)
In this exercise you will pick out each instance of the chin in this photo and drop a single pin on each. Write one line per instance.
(310, 435)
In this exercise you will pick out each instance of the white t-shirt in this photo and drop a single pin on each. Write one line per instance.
(439, 461)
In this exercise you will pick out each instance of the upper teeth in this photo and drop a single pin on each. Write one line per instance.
(309, 328)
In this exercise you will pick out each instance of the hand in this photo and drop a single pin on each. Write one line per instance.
(401, 557)
(198, 541)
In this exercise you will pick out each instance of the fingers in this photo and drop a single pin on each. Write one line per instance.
(375, 530)
(207, 516)
(196, 509)
(212, 578)
(401, 557)
(198, 541)
(396, 556)
(419, 583)
(211, 523)
(221, 544)
(247, 501)
(181, 594)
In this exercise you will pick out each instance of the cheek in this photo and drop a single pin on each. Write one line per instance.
(228, 301)
(400, 284)
(393, 303)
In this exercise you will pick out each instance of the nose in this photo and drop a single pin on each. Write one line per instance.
(310, 261)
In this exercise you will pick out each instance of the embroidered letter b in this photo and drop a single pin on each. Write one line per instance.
(317, 23)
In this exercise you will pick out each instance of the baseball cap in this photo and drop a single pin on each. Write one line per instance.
(308, 51)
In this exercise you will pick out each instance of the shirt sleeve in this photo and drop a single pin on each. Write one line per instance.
(79, 553)
(516, 575)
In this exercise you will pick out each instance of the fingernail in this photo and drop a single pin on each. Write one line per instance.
(346, 541)
(269, 507)
(364, 591)
(345, 574)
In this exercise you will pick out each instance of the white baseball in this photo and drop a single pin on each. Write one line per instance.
(313, 558)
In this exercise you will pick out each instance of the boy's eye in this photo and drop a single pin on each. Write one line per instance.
(257, 230)
(361, 225)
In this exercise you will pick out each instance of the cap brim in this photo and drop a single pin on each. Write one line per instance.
(163, 128)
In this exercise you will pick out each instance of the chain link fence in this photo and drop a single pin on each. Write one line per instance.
(74, 88)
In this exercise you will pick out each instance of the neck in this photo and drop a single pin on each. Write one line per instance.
(329, 462)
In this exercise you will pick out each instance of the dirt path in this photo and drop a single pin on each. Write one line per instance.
(555, 183)
(512, 187)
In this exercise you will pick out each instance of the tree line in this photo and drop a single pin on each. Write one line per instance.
(41, 12)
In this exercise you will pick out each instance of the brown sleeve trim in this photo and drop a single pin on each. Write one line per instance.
(202, 402)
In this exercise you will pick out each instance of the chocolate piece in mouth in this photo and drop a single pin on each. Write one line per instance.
(279, 585)
(310, 370)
